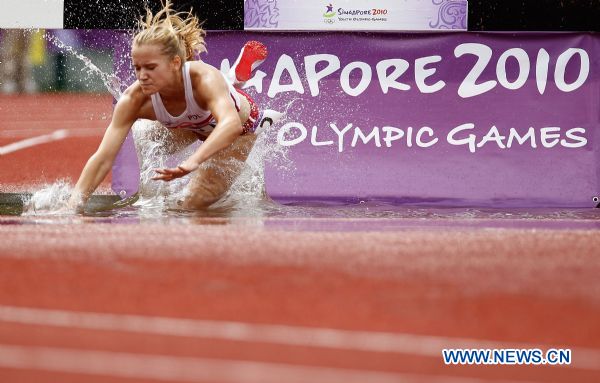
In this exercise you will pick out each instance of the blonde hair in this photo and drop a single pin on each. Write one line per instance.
(178, 33)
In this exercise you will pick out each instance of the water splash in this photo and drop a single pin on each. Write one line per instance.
(110, 80)
(49, 200)
(247, 195)
(154, 148)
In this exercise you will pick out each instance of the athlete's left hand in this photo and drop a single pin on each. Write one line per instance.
(169, 174)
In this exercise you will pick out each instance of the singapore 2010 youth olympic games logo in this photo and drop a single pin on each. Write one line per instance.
(329, 13)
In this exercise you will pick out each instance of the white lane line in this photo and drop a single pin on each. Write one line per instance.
(78, 132)
(368, 341)
(19, 145)
(187, 369)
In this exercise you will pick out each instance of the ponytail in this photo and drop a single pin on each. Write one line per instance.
(178, 33)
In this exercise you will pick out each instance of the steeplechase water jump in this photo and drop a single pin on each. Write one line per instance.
(190, 99)
(282, 191)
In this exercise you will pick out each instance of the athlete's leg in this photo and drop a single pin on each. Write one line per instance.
(253, 53)
(209, 183)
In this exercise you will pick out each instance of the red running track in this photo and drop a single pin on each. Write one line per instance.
(84, 116)
(258, 300)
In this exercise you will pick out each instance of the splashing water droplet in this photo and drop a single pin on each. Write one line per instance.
(111, 81)
(49, 200)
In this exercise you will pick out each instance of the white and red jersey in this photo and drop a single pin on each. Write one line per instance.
(193, 117)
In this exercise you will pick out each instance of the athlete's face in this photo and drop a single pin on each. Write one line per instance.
(153, 69)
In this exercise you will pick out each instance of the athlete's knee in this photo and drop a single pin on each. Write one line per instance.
(202, 196)
(195, 202)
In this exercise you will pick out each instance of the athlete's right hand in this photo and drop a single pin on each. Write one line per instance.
(169, 174)
(75, 204)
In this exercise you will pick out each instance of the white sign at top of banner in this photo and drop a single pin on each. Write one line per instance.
(355, 15)
(32, 14)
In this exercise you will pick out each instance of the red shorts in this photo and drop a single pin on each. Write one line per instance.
(253, 119)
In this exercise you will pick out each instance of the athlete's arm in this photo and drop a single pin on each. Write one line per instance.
(100, 163)
(228, 128)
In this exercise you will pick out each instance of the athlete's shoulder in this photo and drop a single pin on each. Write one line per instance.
(202, 73)
(132, 101)
(133, 98)
(134, 94)
(198, 66)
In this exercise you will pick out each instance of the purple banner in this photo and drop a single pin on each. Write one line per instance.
(504, 119)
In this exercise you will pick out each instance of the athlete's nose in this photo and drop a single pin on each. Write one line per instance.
(142, 74)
